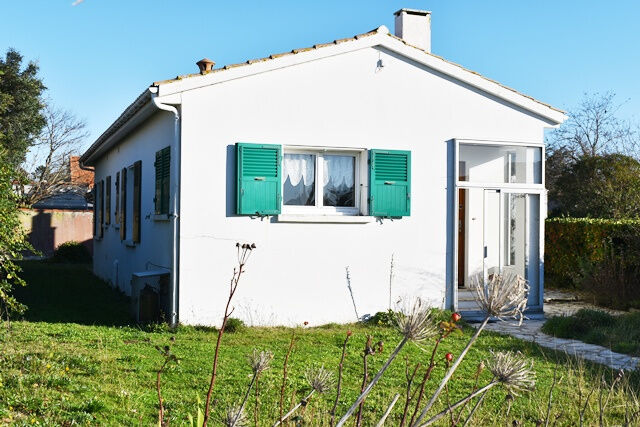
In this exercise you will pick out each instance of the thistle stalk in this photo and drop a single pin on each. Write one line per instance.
(451, 370)
(459, 403)
(243, 254)
(388, 411)
(338, 387)
(304, 401)
(320, 380)
(373, 382)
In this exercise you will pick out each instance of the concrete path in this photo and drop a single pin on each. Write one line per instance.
(559, 304)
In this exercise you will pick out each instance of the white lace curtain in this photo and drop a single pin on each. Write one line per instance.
(338, 170)
(299, 167)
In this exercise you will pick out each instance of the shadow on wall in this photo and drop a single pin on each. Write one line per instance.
(42, 235)
(230, 204)
(47, 229)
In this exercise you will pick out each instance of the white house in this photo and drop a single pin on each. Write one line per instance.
(339, 154)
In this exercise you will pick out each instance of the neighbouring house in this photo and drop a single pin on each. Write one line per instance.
(64, 216)
(339, 154)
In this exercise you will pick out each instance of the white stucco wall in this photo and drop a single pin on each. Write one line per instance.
(113, 260)
(297, 272)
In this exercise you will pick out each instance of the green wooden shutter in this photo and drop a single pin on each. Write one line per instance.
(163, 173)
(389, 183)
(137, 199)
(259, 179)
(123, 204)
(107, 219)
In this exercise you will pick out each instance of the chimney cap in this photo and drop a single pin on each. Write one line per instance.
(205, 65)
(412, 12)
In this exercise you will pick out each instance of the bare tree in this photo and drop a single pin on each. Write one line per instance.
(62, 136)
(594, 128)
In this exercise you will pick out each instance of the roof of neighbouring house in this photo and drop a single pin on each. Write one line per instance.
(381, 35)
(70, 199)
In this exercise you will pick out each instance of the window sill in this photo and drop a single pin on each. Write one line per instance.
(130, 243)
(327, 219)
(161, 217)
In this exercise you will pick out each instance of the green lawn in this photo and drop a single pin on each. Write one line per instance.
(619, 333)
(74, 359)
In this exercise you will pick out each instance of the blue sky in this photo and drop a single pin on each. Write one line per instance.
(96, 57)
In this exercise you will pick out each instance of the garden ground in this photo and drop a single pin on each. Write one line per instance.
(74, 357)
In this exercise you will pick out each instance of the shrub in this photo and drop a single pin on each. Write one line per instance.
(620, 333)
(71, 252)
(382, 318)
(573, 245)
(564, 327)
(13, 240)
(234, 325)
(594, 318)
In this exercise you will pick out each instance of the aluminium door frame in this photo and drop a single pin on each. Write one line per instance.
(538, 189)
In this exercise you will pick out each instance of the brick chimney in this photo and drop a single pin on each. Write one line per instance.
(79, 177)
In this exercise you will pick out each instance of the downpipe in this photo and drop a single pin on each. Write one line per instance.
(175, 213)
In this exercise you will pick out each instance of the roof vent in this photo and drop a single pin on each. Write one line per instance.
(205, 65)
(414, 27)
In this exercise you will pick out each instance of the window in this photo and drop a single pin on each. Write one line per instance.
(99, 203)
(508, 164)
(123, 204)
(107, 201)
(131, 203)
(320, 181)
(163, 170)
(117, 210)
(136, 202)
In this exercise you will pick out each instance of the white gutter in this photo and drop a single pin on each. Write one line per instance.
(175, 214)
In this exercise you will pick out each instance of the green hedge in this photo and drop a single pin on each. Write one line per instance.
(570, 243)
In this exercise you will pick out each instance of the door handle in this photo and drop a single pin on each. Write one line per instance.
(485, 251)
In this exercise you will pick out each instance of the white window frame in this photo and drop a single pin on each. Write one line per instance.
(360, 155)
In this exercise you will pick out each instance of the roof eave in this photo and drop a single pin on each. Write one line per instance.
(124, 124)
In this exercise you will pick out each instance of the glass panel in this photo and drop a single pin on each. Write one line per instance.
(491, 234)
(471, 239)
(515, 233)
(501, 164)
(339, 181)
(533, 248)
(300, 179)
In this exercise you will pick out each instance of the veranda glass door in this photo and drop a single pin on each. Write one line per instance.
(511, 236)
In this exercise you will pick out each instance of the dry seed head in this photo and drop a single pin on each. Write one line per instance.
(319, 379)
(415, 323)
(235, 416)
(504, 296)
(260, 360)
(513, 371)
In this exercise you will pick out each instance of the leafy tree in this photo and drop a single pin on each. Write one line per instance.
(606, 186)
(20, 106)
(12, 241)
